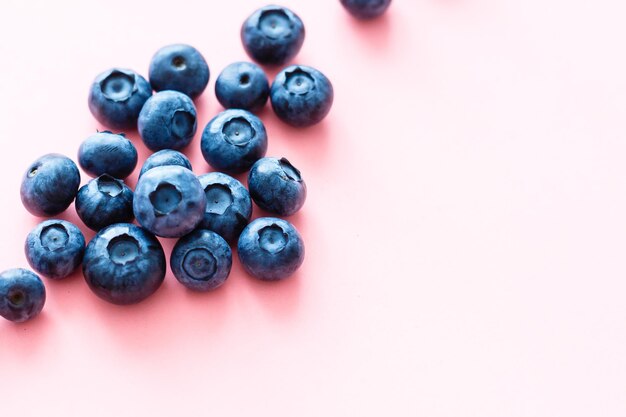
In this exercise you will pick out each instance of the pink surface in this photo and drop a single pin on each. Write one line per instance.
(465, 224)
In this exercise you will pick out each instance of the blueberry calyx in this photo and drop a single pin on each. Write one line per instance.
(118, 86)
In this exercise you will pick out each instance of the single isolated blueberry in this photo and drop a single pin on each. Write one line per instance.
(234, 140)
(169, 201)
(270, 249)
(55, 248)
(242, 85)
(167, 121)
(49, 185)
(272, 35)
(165, 157)
(228, 205)
(22, 295)
(201, 260)
(366, 9)
(124, 264)
(277, 186)
(117, 96)
(180, 68)
(107, 153)
(301, 96)
(104, 201)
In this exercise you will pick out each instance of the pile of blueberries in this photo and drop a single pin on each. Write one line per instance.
(125, 263)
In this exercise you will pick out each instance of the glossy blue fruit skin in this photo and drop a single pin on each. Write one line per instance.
(366, 9)
(225, 216)
(301, 96)
(22, 295)
(201, 261)
(242, 85)
(55, 248)
(221, 148)
(107, 153)
(277, 186)
(181, 68)
(272, 35)
(165, 157)
(117, 275)
(104, 201)
(270, 249)
(169, 201)
(168, 120)
(117, 96)
(49, 185)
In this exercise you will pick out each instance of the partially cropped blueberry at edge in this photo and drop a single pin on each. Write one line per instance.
(104, 201)
(55, 248)
(124, 264)
(366, 9)
(270, 249)
(228, 207)
(22, 295)
(301, 96)
(234, 140)
(168, 120)
(181, 68)
(201, 260)
(49, 185)
(117, 96)
(272, 35)
(107, 153)
(165, 157)
(242, 85)
(277, 186)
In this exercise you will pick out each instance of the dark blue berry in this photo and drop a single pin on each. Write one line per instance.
(22, 295)
(167, 121)
(107, 153)
(277, 186)
(104, 201)
(179, 68)
(55, 248)
(242, 85)
(165, 157)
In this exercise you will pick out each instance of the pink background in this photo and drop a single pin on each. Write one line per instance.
(465, 224)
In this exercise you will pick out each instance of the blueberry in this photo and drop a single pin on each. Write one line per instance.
(228, 207)
(180, 68)
(169, 201)
(107, 153)
(167, 121)
(277, 186)
(124, 264)
(165, 157)
(104, 201)
(55, 248)
(116, 98)
(201, 260)
(301, 96)
(242, 85)
(270, 249)
(272, 35)
(22, 295)
(49, 185)
(366, 9)
(234, 140)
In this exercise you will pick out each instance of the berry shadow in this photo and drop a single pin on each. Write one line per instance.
(375, 34)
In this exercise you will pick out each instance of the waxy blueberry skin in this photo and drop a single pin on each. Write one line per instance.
(104, 201)
(228, 207)
(55, 248)
(165, 157)
(181, 68)
(22, 295)
(124, 264)
(168, 120)
(242, 85)
(277, 186)
(234, 140)
(49, 185)
(201, 260)
(366, 9)
(107, 153)
(117, 96)
(270, 249)
(169, 201)
(272, 35)
(301, 96)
